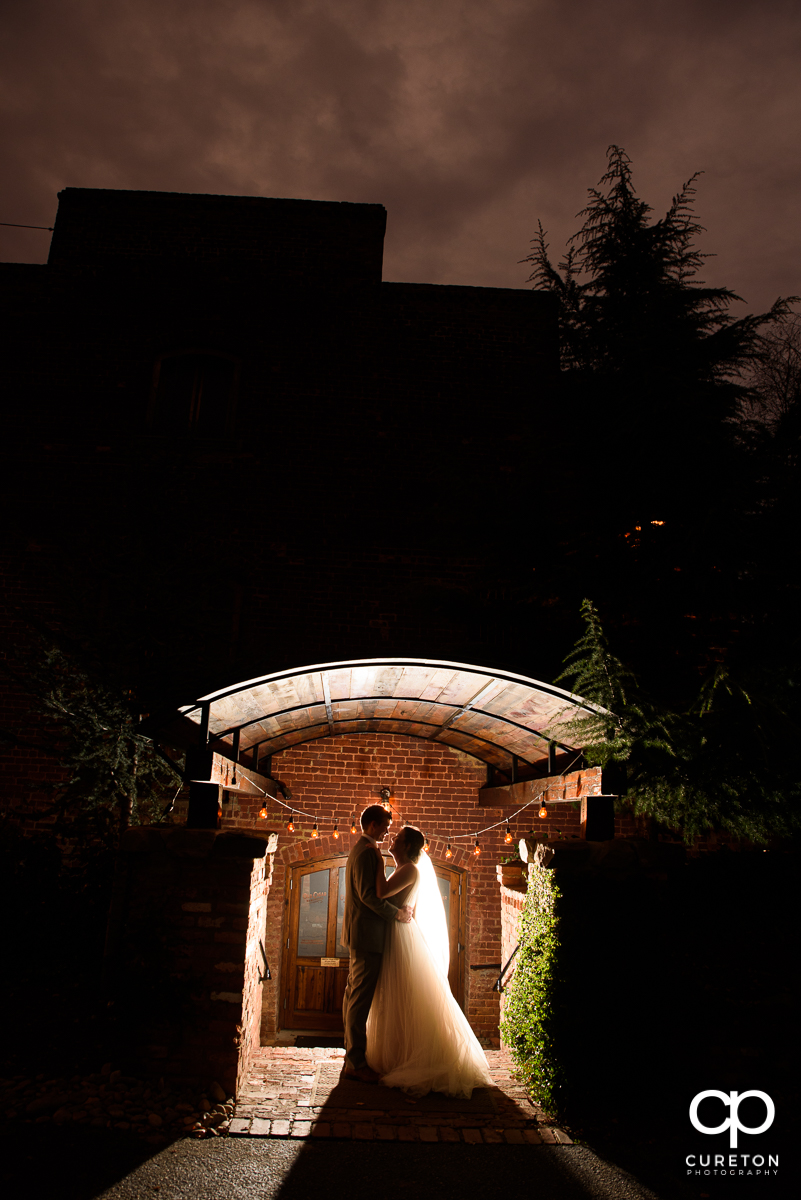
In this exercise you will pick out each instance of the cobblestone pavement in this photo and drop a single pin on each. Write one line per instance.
(298, 1093)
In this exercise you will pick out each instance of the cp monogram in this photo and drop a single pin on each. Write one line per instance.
(732, 1122)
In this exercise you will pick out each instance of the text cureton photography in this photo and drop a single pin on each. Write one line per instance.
(739, 1164)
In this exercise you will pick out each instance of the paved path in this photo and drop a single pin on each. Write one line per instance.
(250, 1169)
(300, 1132)
(299, 1093)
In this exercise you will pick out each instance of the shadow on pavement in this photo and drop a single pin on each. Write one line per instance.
(75, 1164)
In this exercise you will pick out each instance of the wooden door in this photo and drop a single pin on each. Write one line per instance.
(450, 887)
(316, 962)
(316, 968)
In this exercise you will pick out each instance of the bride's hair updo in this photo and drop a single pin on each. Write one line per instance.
(413, 842)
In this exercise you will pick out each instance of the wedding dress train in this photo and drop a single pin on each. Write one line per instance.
(418, 1038)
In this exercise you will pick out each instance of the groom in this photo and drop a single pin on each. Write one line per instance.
(363, 928)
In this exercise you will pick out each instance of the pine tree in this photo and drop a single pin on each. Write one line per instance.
(727, 763)
(653, 357)
(627, 726)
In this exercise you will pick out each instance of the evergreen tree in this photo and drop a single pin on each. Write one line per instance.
(656, 506)
(727, 763)
(654, 360)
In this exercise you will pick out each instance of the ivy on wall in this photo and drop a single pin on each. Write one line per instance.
(602, 957)
(531, 1015)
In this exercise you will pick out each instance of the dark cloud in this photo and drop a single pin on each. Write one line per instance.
(469, 119)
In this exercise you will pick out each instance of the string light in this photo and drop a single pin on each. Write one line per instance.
(426, 846)
(505, 821)
(385, 793)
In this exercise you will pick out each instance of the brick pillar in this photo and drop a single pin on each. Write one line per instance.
(512, 878)
(183, 958)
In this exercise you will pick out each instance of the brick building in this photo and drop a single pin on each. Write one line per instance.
(223, 420)
(236, 451)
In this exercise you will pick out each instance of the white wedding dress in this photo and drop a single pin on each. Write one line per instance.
(418, 1038)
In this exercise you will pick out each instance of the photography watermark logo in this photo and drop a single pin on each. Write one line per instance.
(732, 1164)
(733, 1100)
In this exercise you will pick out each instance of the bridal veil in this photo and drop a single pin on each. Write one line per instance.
(418, 1038)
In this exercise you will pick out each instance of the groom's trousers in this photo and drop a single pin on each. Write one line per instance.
(365, 967)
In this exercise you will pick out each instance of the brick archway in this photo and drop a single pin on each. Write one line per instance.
(433, 787)
(328, 739)
(298, 862)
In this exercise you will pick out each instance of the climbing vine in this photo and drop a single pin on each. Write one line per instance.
(531, 1018)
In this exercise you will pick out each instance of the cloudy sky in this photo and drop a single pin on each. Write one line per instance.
(468, 119)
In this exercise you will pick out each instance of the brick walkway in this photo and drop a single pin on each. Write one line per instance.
(298, 1093)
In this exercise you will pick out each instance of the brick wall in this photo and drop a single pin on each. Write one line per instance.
(513, 880)
(252, 998)
(432, 787)
(183, 962)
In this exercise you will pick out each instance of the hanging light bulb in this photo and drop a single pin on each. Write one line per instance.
(290, 825)
(426, 846)
(543, 810)
(336, 829)
(315, 831)
(353, 825)
(507, 837)
(476, 848)
(449, 852)
(263, 814)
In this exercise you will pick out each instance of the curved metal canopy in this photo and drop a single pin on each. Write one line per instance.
(492, 715)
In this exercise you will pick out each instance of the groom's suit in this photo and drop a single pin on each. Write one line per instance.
(364, 927)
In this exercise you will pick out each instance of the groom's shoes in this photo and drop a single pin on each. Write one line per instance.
(363, 1074)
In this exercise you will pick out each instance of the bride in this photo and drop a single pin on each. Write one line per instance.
(418, 1038)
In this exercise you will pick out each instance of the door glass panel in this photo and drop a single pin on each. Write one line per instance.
(445, 892)
(341, 951)
(313, 917)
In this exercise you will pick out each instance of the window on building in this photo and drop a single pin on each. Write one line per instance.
(194, 392)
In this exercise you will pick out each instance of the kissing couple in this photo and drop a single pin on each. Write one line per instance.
(402, 1024)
